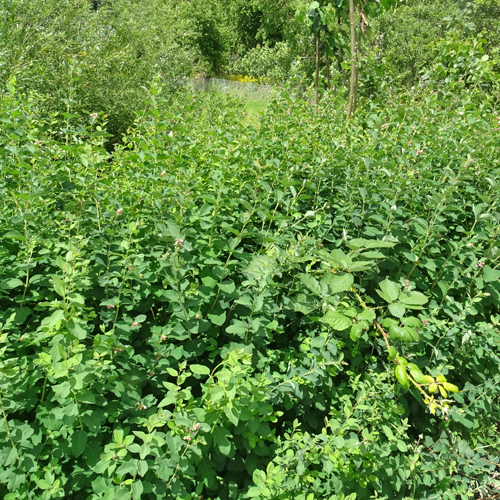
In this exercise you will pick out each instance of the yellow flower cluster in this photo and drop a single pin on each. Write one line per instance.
(244, 79)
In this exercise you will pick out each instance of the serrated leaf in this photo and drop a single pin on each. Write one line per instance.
(304, 303)
(336, 320)
(441, 378)
(433, 388)
(361, 265)
(338, 282)
(397, 309)
(412, 322)
(389, 290)
(356, 243)
(396, 332)
(311, 283)
(338, 258)
(443, 392)
(367, 316)
(355, 331)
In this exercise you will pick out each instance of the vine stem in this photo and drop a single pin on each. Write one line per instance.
(375, 322)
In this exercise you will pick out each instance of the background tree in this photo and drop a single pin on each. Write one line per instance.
(84, 59)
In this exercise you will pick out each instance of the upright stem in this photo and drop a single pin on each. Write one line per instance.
(354, 64)
(316, 82)
(327, 70)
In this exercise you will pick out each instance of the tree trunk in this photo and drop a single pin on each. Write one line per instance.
(327, 70)
(316, 82)
(356, 83)
(354, 64)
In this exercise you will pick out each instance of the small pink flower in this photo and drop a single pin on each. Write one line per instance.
(196, 426)
(119, 211)
(470, 245)
(135, 324)
(110, 306)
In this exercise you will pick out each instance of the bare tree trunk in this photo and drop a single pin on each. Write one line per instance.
(316, 82)
(354, 63)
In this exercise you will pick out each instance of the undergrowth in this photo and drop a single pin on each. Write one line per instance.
(290, 311)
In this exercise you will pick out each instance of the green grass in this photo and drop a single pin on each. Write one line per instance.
(254, 108)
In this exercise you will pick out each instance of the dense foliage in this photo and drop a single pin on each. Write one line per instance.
(222, 311)
(197, 303)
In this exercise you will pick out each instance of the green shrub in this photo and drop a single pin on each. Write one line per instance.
(96, 60)
(236, 312)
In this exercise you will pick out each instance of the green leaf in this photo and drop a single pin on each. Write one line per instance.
(392, 353)
(75, 328)
(259, 477)
(118, 436)
(416, 374)
(397, 309)
(338, 282)
(232, 415)
(78, 442)
(491, 275)
(142, 467)
(402, 376)
(137, 489)
(337, 258)
(217, 318)
(312, 284)
(14, 235)
(129, 467)
(220, 437)
(336, 320)
(389, 290)
(199, 369)
(402, 446)
(413, 300)
(59, 286)
(227, 287)
(355, 332)
(238, 328)
(366, 315)
(11, 283)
